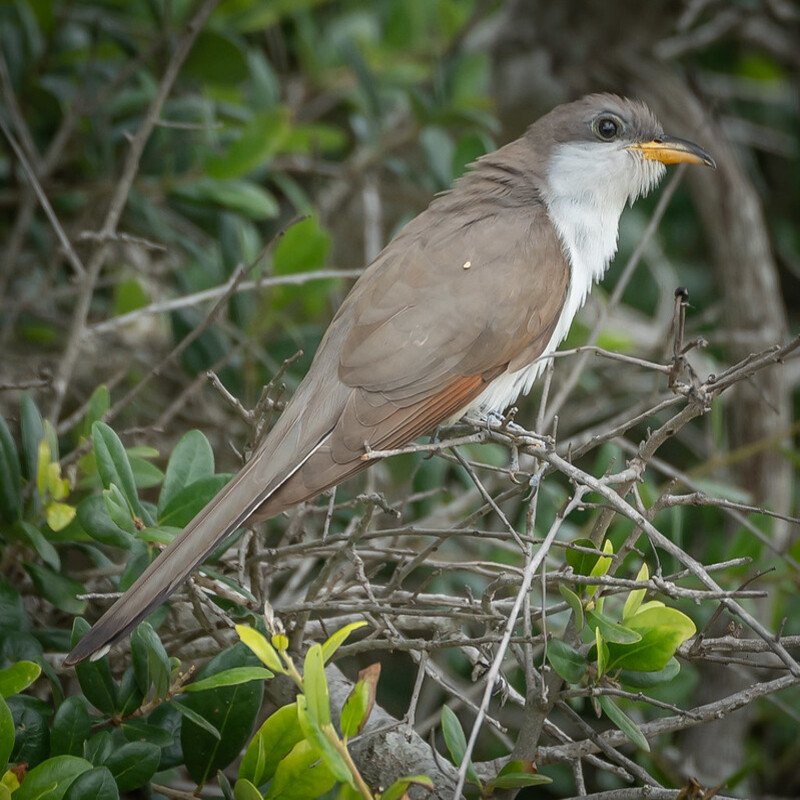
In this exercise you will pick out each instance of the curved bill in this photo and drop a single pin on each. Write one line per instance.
(671, 150)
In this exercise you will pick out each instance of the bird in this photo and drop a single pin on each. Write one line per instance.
(453, 316)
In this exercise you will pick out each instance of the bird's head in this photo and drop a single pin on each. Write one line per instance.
(608, 148)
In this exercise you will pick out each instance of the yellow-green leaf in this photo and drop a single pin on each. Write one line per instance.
(261, 647)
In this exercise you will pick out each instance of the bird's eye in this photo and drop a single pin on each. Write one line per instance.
(607, 128)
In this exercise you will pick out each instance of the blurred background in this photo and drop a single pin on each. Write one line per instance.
(333, 124)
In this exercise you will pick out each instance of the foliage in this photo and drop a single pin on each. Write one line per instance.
(296, 138)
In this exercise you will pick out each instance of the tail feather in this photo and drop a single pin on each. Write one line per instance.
(226, 512)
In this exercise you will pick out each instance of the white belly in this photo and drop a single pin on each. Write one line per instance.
(589, 240)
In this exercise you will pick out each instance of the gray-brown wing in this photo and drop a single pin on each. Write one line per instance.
(449, 305)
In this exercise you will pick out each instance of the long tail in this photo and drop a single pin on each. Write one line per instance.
(226, 512)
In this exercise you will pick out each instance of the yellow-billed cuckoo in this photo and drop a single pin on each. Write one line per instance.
(450, 317)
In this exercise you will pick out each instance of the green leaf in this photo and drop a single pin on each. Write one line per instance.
(191, 460)
(317, 736)
(32, 432)
(133, 764)
(574, 602)
(635, 597)
(337, 639)
(71, 727)
(217, 58)
(195, 718)
(274, 740)
(58, 589)
(623, 722)
(354, 709)
(261, 647)
(6, 735)
(566, 661)
(398, 789)
(303, 247)
(601, 566)
(230, 677)
(18, 677)
(244, 790)
(582, 563)
(99, 403)
(51, 779)
(518, 774)
(145, 474)
(94, 518)
(12, 611)
(300, 775)
(59, 515)
(262, 137)
(114, 467)
(647, 680)
(10, 477)
(602, 653)
(94, 677)
(663, 630)
(186, 503)
(612, 631)
(456, 741)
(231, 710)
(316, 686)
(40, 544)
(151, 666)
(236, 195)
(97, 783)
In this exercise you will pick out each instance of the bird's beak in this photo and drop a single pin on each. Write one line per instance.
(671, 150)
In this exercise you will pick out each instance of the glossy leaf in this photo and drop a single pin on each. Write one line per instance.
(51, 779)
(662, 631)
(582, 563)
(191, 460)
(94, 677)
(623, 722)
(574, 602)
(320, 737)
(18, 677)
(244, 790)
(456, 741)
(187, 502)
(230, 677)
(300, 775)
(261, 647)
(399, 788)
(612, 631)
(636, 596)
(133, 764)
(337, 639)
(94, 518)
(97, 784)
(71, 727)
(518, 774)
(646, 680)
(230, 709)
(275, 738)
(32, 432)
(114, 467)
(150, 661)
(316, 686)
(6, 735)
(360, 701)
(566, 661)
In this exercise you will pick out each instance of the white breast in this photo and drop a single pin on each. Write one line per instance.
(585, 207)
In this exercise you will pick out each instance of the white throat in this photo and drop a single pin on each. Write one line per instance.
(588, 187)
